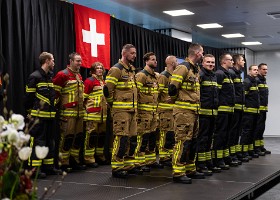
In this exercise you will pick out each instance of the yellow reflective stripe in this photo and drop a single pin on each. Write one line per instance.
(220, 153)
(208, 155)
(27, 89)
(167, 106)
(150, 90)
(253, 88)
(220, 86)
(232, 150)
(245, 148)
(225, 109)
(204, 111)
(263, 108)
(251, 147)
(39, 113)
(57, 88)
(94, 117)
(41, 97)
(251, 110)
(209, 83)
(186, 105)
(147, 107)
(201, 156)
(238, 106)
(227, 80)
(177, 78)
(111, 79)
(237, 80)
(36, 163)
(226, 153)
(262, 85)
(95, 93)
(71, 113)
(49, 161)
(45, 85)
(161, 86)
(69, 88)
(124, 85)
(121, 104)
(109, 99)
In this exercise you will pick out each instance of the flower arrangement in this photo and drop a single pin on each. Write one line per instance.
(15, 182)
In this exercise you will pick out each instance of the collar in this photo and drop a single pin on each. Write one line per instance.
(238, 71)
(150, 70)
(128, 67)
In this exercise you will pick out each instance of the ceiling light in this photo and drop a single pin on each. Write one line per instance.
(212, 25)
(178, 12)
(251, 43)
(234, 35)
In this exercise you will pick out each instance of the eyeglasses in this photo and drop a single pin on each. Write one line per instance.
(229, 59)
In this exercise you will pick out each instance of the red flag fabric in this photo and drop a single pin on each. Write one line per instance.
(92, 29)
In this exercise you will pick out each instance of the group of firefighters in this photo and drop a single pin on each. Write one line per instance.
(195, 119)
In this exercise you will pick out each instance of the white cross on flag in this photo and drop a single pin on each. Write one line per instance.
(92, 29)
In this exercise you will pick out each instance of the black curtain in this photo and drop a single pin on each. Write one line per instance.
(145, 41)
(27, 28)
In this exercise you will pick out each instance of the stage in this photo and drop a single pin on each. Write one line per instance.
(246, 181)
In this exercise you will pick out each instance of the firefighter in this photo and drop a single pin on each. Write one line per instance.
(207, 115)
(121, 93)
(95, 116)
(165, 109)
(147, 84)
(70, 88)
(184, 89)
(40, 103)
(220, 153)
(250, 115)
(235, 131)
(263, 90)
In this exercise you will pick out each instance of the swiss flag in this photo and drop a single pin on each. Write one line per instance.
(92, 29)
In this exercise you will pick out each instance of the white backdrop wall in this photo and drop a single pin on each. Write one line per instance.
(272, 59)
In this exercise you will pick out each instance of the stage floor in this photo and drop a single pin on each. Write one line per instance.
(236, 183)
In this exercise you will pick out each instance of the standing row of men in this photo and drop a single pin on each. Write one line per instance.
(140, 103)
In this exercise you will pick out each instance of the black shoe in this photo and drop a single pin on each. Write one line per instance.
(53, 171)
(196, 175)
(119, 174)
(157, 165)
(136, 171)
(92, 165)
(233, 163)
(215, 169)
(205, 171)
(167, 163)
(78, 167)
(223, 166)
(41, 175)
(244, 159)
(254, 155)
(260, 153)
(146, 169)
(182, 179)
(265, 150)
(66, 168)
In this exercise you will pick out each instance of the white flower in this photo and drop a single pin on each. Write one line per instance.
(2, 121)
(24, 137)
(18, 121)
(24, 153)
(13, 136)
(41, 152)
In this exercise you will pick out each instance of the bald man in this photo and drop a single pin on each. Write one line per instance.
(165, 109)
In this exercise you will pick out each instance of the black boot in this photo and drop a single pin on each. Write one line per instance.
(182, 179)
(119, 174)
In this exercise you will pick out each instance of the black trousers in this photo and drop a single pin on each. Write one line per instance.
(43, 134)
(249, 125)
(205, 134)
(260, 126)
(235, 130)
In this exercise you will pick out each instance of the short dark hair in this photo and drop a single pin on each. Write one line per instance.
(236, 57)
(193, 48)
(126, 47)
(44, 56)
(147, 56)
(260, 65)
(223, 56)
(72, 55)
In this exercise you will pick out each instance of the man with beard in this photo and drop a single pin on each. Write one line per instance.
(147, 84)
(184, 90)
(121, 93)
(40, 103)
